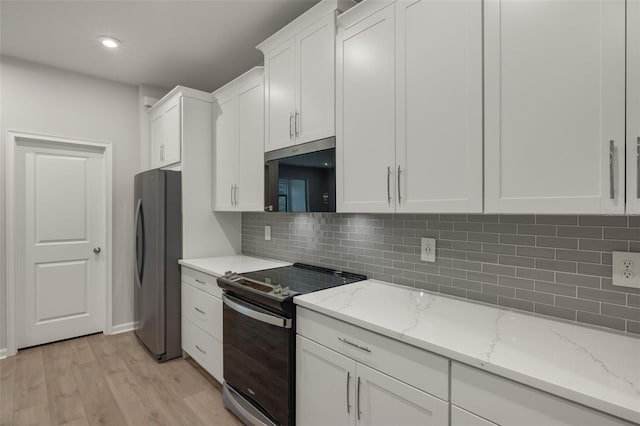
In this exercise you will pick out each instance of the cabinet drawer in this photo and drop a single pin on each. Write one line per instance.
(416, 367)
(203, 348)
(460, 417)
(203, 310)
(201, 281)
(509, 403)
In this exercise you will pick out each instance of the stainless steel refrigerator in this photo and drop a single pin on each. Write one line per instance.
(158, 246)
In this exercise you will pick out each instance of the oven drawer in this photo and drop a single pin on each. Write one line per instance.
(203, 310)
(203, 348)
(205, 282)
(416, 367)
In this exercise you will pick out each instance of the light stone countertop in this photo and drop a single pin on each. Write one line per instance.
(217, 266)
(594, 367)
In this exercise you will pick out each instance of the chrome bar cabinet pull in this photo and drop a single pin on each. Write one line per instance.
(290, 125)
(297, 130)
(399, 192)
(199, 310)
(362, 348)
(358, 399)
(348, 402)
(200, 349)
(612, 187)
(389, 185)
(638, 167)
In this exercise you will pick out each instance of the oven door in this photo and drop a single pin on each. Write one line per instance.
(258, 357)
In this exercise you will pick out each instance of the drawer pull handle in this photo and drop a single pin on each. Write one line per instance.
(348, 402)
(200, 349)
(358, 399)
(199, 310)
(201, 282)
(362, 348)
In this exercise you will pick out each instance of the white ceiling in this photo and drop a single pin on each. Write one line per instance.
(201, 44)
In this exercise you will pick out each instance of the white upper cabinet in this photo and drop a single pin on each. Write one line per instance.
(439, 106)
(300, 78)
(168, 121)
(280, 96)
(365, 111)
(554, 106)
(414, 144)
(238, 122)
(633, 106)
(315, 89)
(166, 141)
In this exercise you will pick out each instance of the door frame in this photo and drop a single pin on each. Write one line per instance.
(13, 138)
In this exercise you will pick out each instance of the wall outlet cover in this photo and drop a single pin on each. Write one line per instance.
(428, 249)
(626, 269)
(267, 232)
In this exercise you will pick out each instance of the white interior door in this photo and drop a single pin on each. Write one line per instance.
(61, 234)
(554, 106)
(439, 106)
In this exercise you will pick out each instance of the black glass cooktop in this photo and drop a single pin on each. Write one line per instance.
(301, 278)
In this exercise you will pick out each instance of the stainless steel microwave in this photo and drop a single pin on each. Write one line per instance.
(301, 178)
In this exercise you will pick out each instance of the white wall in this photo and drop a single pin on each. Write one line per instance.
(45, 100)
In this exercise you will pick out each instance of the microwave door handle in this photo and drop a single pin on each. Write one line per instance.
(251, 312)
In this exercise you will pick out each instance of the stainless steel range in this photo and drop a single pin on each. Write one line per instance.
(259, 338)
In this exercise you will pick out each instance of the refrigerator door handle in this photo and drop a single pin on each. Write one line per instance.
(138, 259)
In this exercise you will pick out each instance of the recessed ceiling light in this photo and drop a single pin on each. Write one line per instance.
(109, 42)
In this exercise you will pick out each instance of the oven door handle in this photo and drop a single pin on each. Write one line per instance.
(255, 312)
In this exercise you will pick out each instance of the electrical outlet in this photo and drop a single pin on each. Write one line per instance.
(626, 269)
(428, 249)
(267, 232)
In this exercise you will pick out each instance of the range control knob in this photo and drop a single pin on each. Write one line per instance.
(277, 289)
(228, 274)
(284, 291)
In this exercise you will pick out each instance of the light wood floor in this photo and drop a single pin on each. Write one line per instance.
(106, 380)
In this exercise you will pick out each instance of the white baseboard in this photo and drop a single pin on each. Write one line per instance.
(3, 353)
(122, 328)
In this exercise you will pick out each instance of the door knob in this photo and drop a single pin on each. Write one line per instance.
(97, 250)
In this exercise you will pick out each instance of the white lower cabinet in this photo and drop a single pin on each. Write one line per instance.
(333, 389)
(460, 417)
(346, 375)
(506, 403)
(202, 320)
(324, 385)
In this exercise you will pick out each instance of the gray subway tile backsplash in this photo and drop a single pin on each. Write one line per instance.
(553, 265)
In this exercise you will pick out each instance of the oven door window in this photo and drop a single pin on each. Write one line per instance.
(257, 357)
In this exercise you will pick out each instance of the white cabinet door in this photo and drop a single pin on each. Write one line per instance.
(383, 400)
(633, 106)
(280, 96)
(225, 122)
(554, 105)
(324, 386)
(365, 111)
(249, 193)
(439, 106)
(172, 130)
(315, 90)
(156, 136)
(460, 417)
